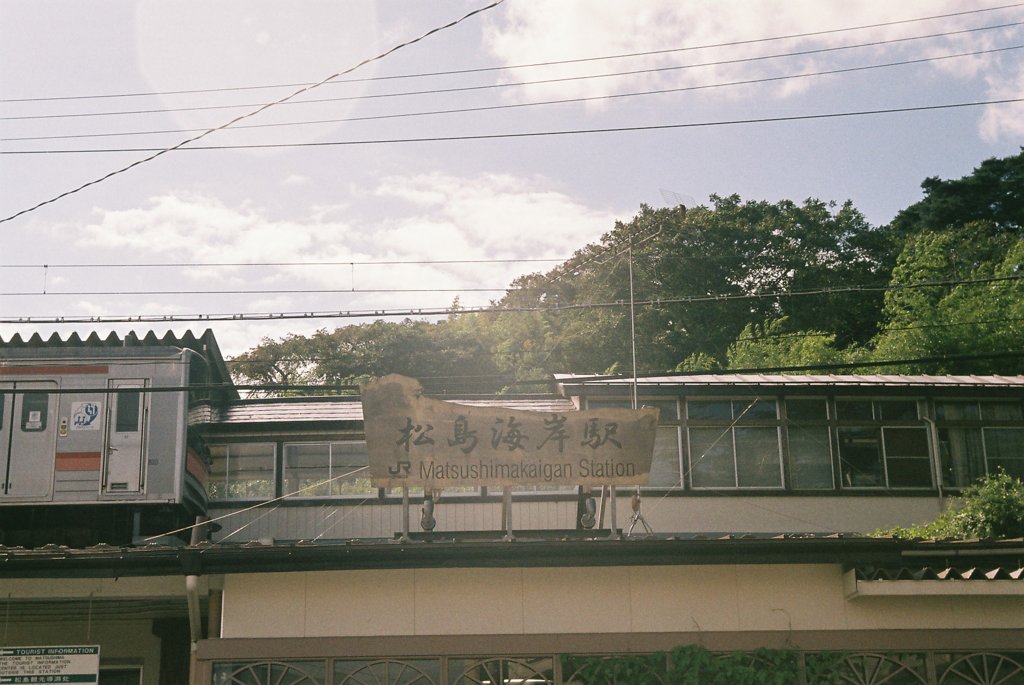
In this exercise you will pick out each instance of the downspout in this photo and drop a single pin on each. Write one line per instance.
(195, 619)
(195, 624)
(936, 459)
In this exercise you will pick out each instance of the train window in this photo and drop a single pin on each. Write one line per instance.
(128, 405)
(33, 412)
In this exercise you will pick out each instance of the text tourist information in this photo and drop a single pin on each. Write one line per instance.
(49, 664)
(419, 441)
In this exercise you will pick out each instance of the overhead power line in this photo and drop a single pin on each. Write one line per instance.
(501, 136)
(519, 84)
(476, 70)
(492, 309)
(538, 103)
(253, 113)
(182, 265)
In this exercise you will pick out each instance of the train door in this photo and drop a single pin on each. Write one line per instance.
(27, 439)
(127, 411)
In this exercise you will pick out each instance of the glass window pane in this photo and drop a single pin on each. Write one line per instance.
(609, 403)
(810, 459)
(854, 410)
(389, 671)
(665, 466)
(240, 471)
(898, 410)
(957, 411)
(1001, 411)
(905, 442)
(806, 410)
(860, 457)
(909, 473)
(711, 458)
(128, 406)
(34, 408)
(754, 410)
(1004, 448)
(709, 410)
(757, 458)
(963, 460)
(348, 469)
(307, 469)
(667, 409)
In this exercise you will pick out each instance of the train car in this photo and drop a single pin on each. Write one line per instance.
(95, 445)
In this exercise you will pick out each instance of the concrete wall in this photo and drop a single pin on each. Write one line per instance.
(584, 600)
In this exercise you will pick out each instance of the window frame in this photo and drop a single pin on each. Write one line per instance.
(729, 426)
(299, 494)
(274, 473)
(877, 425)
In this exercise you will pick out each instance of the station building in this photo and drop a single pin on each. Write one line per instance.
(195, 535)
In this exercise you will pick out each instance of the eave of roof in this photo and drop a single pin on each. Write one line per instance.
(573, 384)
(849, 551)
(334, 409)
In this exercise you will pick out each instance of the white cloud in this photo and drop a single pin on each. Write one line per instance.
(295, 180)
(549, 30)
(1005, 121)
(426, 219)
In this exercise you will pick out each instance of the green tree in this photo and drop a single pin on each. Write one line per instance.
(956, 295)
(775, 344)
(992, 508)
(993, 192)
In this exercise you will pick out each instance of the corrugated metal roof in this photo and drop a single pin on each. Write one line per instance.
(798, 380)
(939, 573)
(188, 340)
(344, 409)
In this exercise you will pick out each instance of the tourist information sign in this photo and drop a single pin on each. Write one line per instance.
(50, 664)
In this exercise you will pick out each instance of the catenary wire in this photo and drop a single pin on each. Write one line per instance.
(565, 79)
(516, 135)
(179, 265)
(690, 299)
(520, 105)
(253, 113)
(648, 53)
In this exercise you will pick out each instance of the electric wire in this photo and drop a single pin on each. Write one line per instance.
(507, 106)
(253, 113)
(564, 79)
(809, 34)
(498, 309)
(189, 265)
(507, 136)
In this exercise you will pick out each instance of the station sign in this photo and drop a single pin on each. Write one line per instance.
(49, 664)
(420, 441)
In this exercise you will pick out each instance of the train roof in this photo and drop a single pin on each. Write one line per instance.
(114, 345)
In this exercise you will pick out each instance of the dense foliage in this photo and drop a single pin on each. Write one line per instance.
(993, 508)
(731, 285)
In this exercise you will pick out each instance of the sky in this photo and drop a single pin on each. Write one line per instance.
(368, 194)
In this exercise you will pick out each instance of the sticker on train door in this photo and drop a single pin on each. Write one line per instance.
(85, 416)
(127, 409)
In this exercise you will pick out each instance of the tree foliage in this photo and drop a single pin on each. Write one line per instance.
(730, 285)
(992, 508)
